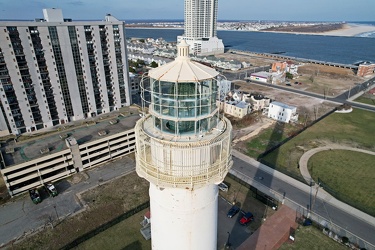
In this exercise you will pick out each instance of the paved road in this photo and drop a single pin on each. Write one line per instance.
(20, 216)
(352, 220)
(345, 97)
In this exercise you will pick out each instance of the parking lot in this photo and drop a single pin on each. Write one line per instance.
(230, 227)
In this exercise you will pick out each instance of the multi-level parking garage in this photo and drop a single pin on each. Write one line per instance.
(30, 164)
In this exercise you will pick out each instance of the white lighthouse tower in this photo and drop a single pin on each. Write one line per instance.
(184, 151)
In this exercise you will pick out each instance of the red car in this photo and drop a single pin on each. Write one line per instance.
(246, 218)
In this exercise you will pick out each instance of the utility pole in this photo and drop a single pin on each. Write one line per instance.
(313, 202)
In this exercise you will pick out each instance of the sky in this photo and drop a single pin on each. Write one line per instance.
(286, 10)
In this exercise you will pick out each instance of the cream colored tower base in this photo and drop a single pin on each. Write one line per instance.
(184, 219)
(183, 148)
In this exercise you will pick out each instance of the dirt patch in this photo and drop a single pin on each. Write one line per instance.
(4, 195)
(77, 178)
(303, 103)
(103, 204)
(325, 80)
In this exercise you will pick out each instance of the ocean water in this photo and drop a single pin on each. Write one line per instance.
(347, 50)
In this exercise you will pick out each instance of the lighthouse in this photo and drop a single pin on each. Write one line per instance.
(183, 148)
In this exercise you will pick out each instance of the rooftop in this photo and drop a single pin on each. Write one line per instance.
(283, 105)
(182, 69)
(53, 141)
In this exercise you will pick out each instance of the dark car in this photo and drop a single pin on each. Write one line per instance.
(246, 218)
(35, 196)
(233, 211)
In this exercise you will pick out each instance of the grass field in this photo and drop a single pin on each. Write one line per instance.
(352, 129)
(366, 100)
(350, 176)
(312, 238)
(132, 239)
(124, 235)
(269, 138)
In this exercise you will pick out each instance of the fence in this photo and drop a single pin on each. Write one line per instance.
(105, 226)
(326, 225)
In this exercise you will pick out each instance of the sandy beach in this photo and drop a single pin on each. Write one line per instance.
(346, 30)
(350, 30)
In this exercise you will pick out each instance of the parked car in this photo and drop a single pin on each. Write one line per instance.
(295, 82)
(233, 211)
(288, 84)
(223, 187)
(35, 196)
(51, 189)
(246, 218)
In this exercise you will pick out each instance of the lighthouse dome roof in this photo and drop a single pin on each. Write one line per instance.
(182, 69)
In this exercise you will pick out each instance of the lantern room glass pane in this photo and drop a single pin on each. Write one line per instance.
(187, 103)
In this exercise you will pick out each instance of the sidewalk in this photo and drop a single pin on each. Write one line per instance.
(323, 195)
(306, 156)
(273, 232)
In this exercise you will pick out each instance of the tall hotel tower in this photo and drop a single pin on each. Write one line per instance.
(183, 148)
(55, 70)
(200, 27)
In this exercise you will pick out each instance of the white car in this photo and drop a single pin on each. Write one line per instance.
(223, 187)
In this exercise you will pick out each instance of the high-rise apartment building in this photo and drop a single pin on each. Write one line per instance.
(55, 70)
(200, 27)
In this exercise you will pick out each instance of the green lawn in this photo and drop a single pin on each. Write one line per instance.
(269, 138)
(124, 235)
(349, 175)
(365, 100)
(312, 238)
(352, 129)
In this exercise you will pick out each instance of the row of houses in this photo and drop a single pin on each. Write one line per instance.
(160, 48)
(277, 73)
(239, 104)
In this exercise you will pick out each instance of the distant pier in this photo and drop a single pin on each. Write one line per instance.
(279, 56)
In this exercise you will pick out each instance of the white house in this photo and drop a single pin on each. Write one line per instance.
(237, 109)
(259, 102)
(282, 112)
(224, 87)
(261, 77)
